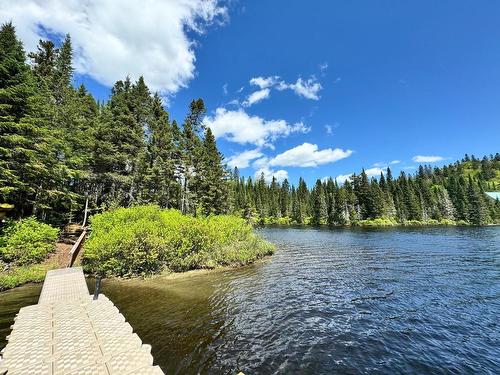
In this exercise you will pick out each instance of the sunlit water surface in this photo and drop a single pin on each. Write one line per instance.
(423, 300)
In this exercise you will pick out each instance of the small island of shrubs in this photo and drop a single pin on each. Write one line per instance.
(146, 240)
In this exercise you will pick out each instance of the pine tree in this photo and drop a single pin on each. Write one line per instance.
(477, 214)
(18, 150)
(330, 190)
(285, 198)
(319, 209)
(191, 149)
(274, 196)
(213, 188)
(44, 61)
(159, 184)
(303, 197)
(63, 71)
(297, 215)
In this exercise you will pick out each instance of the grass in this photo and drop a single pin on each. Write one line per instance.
(18, 275)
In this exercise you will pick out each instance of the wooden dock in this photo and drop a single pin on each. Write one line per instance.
(69, 333)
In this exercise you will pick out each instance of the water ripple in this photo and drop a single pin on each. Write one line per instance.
(419, 301)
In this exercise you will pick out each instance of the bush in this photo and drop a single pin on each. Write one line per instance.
(377, 222)
(24, 274)
(27, 241)
(144, 240)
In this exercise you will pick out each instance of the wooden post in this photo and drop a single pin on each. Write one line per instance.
(97, 287)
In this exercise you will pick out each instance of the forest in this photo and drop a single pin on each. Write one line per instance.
(453, 194)
(60, 147)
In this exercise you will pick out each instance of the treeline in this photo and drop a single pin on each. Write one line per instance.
(60, 147)
(451, 194)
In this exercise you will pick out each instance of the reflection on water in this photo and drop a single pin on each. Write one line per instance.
(329, 301)
(10, 303)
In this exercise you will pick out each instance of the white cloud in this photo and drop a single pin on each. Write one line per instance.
(307, 88)
(374, 172)
(240, 127)
(308, 155)
(323, 67)
(427, 158)
(343, 178)
(385, 165)
(261, 163)
(113, 39)
(264, 82)
(280, 174)
(224, 88)
(329, 129)
(256, 97)
(243, 159)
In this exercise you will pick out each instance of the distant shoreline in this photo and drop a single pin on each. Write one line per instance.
(376, 225)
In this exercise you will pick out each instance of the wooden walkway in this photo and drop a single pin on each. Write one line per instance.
(69, 333)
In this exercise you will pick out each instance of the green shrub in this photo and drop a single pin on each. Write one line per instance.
(447, 222)
(27, 241)
(24, 274)
(377, 222)
(143, 240)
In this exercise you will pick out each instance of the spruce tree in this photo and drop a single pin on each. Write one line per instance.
(63, 72)
(285, 198)
(319, 209)
(212, 175)
(18, 150)
(477, 214)
(191, 155)
(297, 215)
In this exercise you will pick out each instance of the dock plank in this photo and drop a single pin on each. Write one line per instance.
(69, 333)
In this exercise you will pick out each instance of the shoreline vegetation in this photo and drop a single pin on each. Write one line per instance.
(140, 241)
(160, 192)
(377, 222)
(148, 240)
(26, 247)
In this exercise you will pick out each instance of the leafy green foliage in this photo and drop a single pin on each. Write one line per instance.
(27, 241)
(19, 275)
(144, 240)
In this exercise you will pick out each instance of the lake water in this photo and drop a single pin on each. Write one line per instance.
(419, 300)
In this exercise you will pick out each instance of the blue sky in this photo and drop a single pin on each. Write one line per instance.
(342, 85)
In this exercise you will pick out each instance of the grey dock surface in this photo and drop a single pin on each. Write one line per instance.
(68, 332)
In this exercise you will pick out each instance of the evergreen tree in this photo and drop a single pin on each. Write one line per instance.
(44, 60)
(274, 198)
(22, 143)
(476, 207)
(285, 198)
(191, 147)
(319, 209)
(297, 215)
(213, 188)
